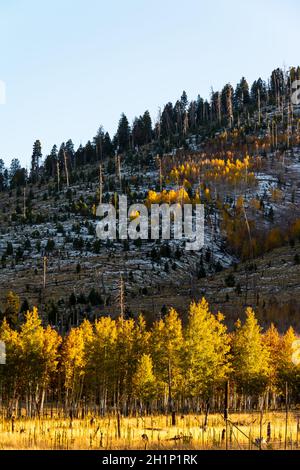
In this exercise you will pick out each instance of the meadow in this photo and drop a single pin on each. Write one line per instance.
(268, 431)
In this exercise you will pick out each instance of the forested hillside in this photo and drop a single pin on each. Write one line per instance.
(238, 153)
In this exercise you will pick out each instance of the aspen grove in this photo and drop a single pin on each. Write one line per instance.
(122, 365)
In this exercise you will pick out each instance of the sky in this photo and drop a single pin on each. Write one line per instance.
(69, 66)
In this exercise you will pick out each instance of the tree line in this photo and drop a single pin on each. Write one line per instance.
(173, 125)
(127, 366)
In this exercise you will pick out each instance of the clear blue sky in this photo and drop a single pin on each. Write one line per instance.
(71, 65)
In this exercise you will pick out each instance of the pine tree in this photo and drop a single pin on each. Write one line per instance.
(167, 124)
(2, 177)
(242, 95)
(24, 307)
(147, 127)
(227, 104)
(35, 160)
(184, 101)
(17, 175)
(12, 308)
(50, 164)
(70, 151)
(99, 142)
(137, 132)
(123, 134)
(108, 148)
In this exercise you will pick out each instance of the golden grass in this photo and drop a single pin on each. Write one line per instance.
(102, 433)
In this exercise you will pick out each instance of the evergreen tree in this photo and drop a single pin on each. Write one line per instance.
(184, 101)
(137, 132)
(258, 90)
(51, 162)
(35, 160)
(277, 86)
(227, 103)
(25, 306)
(90, 153)
(108, 149)
(12, 308)
(147, 127)
(70, 150)
(17, 175)
(123, 134)
(2, 176)
(241, 95)
(167, 125)
(99, 143)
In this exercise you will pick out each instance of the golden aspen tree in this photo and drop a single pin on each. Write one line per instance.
(11, 374)
(142, 338)
(144, 381)
(273, 342)
(274, 239)
(124, 364)
(74, 361)
(51, 343)
(288, 371)
(39, 355)
(251, 357)
(166, 349)
(206, 363)
(101, 367)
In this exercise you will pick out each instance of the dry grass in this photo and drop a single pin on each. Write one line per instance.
(102, 433)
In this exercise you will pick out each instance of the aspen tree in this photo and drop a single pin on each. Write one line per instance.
(166, 347)
(75, 353)
(251, 357)
(39, 358)
(11, 376)
(144, 381)
(205, 352)
(102, 362)
(273, 342)
(124, 360)
(288, 372)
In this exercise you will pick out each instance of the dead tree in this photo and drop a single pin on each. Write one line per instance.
(66, 168)
(100, 184)
(45, 271)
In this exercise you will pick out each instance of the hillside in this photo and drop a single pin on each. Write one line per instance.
(242, 161)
